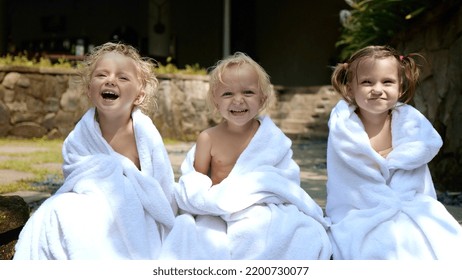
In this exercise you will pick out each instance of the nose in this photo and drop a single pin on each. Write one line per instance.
(377, 90)
(238, 99)
(110, 81)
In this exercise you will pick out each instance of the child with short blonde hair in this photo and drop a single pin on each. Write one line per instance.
(239, 183)
(240, 90)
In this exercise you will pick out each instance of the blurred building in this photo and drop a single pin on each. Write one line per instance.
(293, 40)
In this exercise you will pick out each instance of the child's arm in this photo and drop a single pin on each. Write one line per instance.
(202, 158)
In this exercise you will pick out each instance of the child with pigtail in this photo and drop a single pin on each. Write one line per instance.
(381, 200)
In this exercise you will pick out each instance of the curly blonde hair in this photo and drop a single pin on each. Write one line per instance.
(145, 66)
(239, 59)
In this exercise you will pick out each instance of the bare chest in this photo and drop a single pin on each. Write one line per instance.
(126, 146)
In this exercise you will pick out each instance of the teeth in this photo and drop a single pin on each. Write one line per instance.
(109, 95)
(238, 111)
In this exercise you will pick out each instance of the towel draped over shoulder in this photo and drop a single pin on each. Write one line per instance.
(258, 212)
(386, 208)
(106, 208)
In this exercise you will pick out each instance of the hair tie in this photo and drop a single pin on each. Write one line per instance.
(401, 57)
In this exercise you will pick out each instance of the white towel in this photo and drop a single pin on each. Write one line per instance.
(106, 208)
(386, 208)
(258, 212)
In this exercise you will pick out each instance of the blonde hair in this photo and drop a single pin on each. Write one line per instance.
(239, 58)
(144, 65)
(408, 71)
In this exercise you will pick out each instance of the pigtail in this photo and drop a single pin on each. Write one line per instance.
(340, 79)
(410, 76)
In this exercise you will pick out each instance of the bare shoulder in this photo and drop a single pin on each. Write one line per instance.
(205, 136)
(210, 133)
(204, 140)
(202, 157)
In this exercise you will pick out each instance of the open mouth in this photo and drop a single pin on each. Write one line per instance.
(238, 111)
(109, 95)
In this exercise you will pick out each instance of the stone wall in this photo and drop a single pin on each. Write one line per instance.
(181, 111)
(38, 102)
(438, 37)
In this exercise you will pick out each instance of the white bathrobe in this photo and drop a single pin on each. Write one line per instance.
(386, 208)
(106, 208)
(258, 212)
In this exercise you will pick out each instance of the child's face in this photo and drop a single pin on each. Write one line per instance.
(376, 86)
(114, 85)
(238, 98)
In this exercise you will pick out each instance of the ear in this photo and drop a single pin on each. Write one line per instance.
(263, 100)
(349, 90)
(140, 98)
(87, 92)
(350, 94)
(215, 103)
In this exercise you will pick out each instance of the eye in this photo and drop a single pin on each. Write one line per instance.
(123, 78)
(99, 75)
(248, 92)
(366, 82)
(226, 94)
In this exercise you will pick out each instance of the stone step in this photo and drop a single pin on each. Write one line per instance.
(294, 127)
(300, 115)
(30, 196)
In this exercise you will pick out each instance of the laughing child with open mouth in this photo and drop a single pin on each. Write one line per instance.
(117, 198)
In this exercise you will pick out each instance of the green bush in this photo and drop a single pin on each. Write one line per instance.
(170, 68)
(24, 60)
(375, 22)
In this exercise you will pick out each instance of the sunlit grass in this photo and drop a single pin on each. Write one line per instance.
(34, 156)
(169, 141)
(36, 142)
(36, 161)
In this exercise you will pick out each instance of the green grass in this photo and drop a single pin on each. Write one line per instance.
(34, 162)
(17, 156)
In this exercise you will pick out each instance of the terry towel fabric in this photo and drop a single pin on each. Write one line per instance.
(386, 208)
(106, 208)
(258, 212)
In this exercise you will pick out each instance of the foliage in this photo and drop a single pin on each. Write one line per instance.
(170, 68)
(24, 60)
(375, 22)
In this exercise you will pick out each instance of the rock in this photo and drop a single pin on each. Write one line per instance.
(28, 130)
(14, 213)
(10, 80)
(4, 120)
